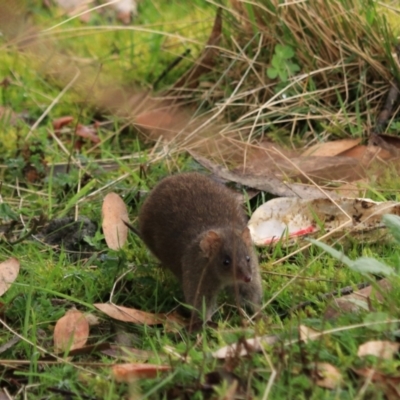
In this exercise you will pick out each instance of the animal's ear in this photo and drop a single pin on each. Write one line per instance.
(246, 236)
(210, 243)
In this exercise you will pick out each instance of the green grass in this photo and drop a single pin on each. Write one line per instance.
(133, 57)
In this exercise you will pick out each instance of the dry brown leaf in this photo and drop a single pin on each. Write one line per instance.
(357, 152)
(326, 375)
(322, 169)
(114, 214)
(268, 184)
(331, 149)
(307, 333)
(165, 122)
(154, 119)
(386, 142)
(126, 314)
(268, 160)
(59, 123)
(9, 270)
(131, 372)
(71, 331)
(379, 348)
(87, 132)
(389, 384)
(357, 301)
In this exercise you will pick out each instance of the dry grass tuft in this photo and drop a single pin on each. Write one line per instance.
(344, 53)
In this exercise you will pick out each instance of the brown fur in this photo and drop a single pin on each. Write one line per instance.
(194, 226)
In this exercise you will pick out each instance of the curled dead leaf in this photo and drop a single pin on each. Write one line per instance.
(379, 348)
(126, 314)
(131, 372)
(71, 331)
(114, 214)
(332, 148)
(9, 270)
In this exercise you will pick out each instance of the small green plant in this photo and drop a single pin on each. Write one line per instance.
(282, 63)
(395, 126)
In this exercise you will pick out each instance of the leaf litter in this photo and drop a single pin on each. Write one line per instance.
(71, 331)
(285, 219)
(114, 213)
(9, 270)
(311, 173)
(135, 316)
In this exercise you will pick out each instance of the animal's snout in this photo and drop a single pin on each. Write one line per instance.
(247, 278)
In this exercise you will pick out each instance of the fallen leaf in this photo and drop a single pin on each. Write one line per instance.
(357, 152)
(268, 160)
(326, 375)
(71, 331)
(154, 119)
(9, 270)
(131, 372)
(267, 184)
(114, 214)
(307, 333)
(387, 142)
(59, 123)
(87, 132)
(321, 169)
(358, 300)
(331, 149)
(243, 349)
(378, 348)
(126, 314)
(389, 384)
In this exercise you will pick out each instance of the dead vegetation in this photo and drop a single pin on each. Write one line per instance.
(273, 86)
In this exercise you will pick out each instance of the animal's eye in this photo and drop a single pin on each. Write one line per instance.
(247, 258)
(227, 260)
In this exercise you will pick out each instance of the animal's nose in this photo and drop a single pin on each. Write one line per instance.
(247, 278)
